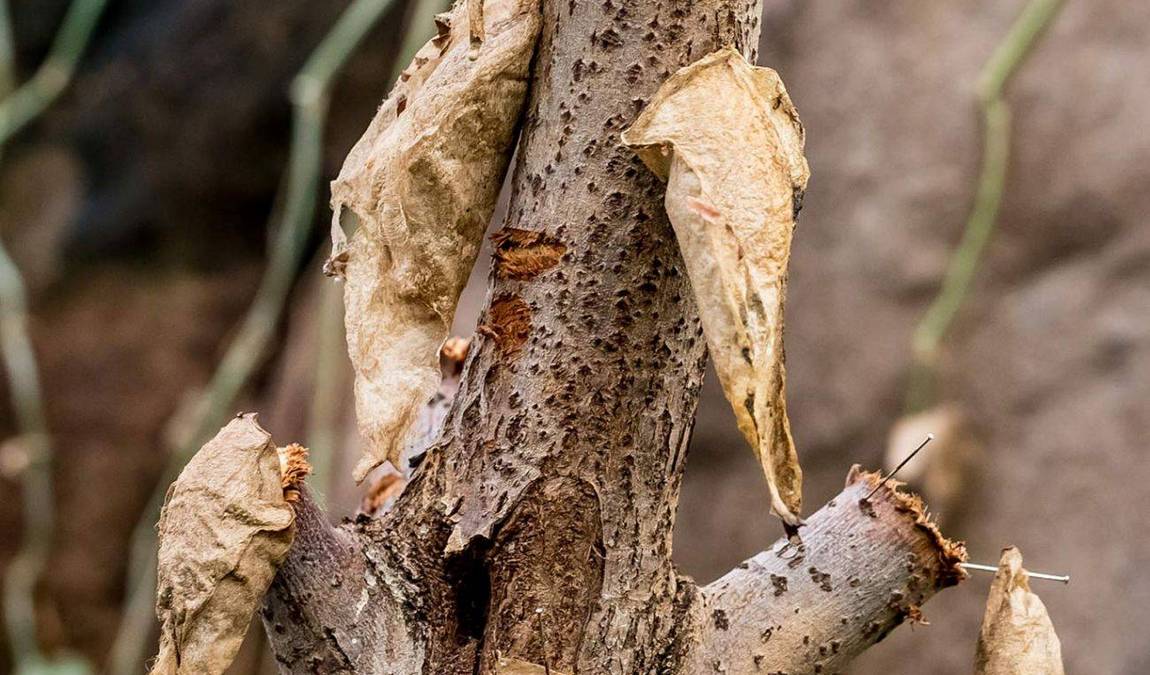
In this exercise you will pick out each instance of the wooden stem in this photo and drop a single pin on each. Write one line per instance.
(863, 567)
(335, 607)
(537, 528)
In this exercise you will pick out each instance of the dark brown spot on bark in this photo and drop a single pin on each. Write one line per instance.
(509, 323)
(780, 584)
(524, 254)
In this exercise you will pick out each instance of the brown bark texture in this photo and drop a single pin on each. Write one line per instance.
(537, 528)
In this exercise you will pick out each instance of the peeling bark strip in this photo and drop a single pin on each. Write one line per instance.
(422, 184)
(225, 528)
(508, 322)
(728, 141)
(1017, 637)
(862, 569)
(524, 254)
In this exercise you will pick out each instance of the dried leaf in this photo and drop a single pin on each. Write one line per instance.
(225, 528)
(422, 184)
(727, 139)
(1017, 637)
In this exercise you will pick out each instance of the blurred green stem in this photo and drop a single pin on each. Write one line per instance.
(52, 77)
(36, 475)
(18, 107)
(1008, 57)
(310, 93)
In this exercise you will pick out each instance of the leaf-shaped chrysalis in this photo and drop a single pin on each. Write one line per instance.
(1017, 637)
(226, 526)
(728, 141)
(419, 189)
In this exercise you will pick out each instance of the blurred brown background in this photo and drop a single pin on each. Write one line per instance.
(138, 208)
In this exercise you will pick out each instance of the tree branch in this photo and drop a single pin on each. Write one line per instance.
(335, 608)
(935, 323)
(52, 77)
(863, 567)
(17, 108)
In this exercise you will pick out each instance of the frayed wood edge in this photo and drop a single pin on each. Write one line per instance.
(950, 553)
(294, 469)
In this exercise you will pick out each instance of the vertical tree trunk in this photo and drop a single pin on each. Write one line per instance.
(562, 458)
(538, 527)
(561, 461)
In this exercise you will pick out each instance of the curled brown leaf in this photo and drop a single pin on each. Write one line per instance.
(419, 188)
(226, 526)
(728, 141)
(1017, 637)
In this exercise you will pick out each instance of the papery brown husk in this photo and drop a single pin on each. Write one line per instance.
(419, 189)
(225, 528)
(1017, 636)
(728, 141)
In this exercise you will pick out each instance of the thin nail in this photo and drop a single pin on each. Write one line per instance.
(1065, 578)
(928, 439)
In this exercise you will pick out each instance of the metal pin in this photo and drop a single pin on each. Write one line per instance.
(1033, 575)
(543, 639)
(928, 439)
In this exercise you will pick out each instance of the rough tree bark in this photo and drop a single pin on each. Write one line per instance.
(538, 526)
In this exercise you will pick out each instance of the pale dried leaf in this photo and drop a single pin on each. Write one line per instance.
(1017, 637)
(727, 139)
(941, 470)
(225, 528)
(422, 184)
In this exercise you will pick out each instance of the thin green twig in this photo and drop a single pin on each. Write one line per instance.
(7, 52)
(18, 107)
(1006, 60)
(310, 92)
(36, 476)
(52, 77)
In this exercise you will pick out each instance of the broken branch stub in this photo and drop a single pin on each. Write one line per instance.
(865, 566)
(728, 141)
(226, 526)
(422, 184)
(1017, 636)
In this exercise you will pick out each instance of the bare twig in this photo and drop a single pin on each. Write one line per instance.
(36, 476)
(7, 51)
(17, 108)
(859, 573)
(330, 384)
(52, 77)
(310, 92)
(1003, 64)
